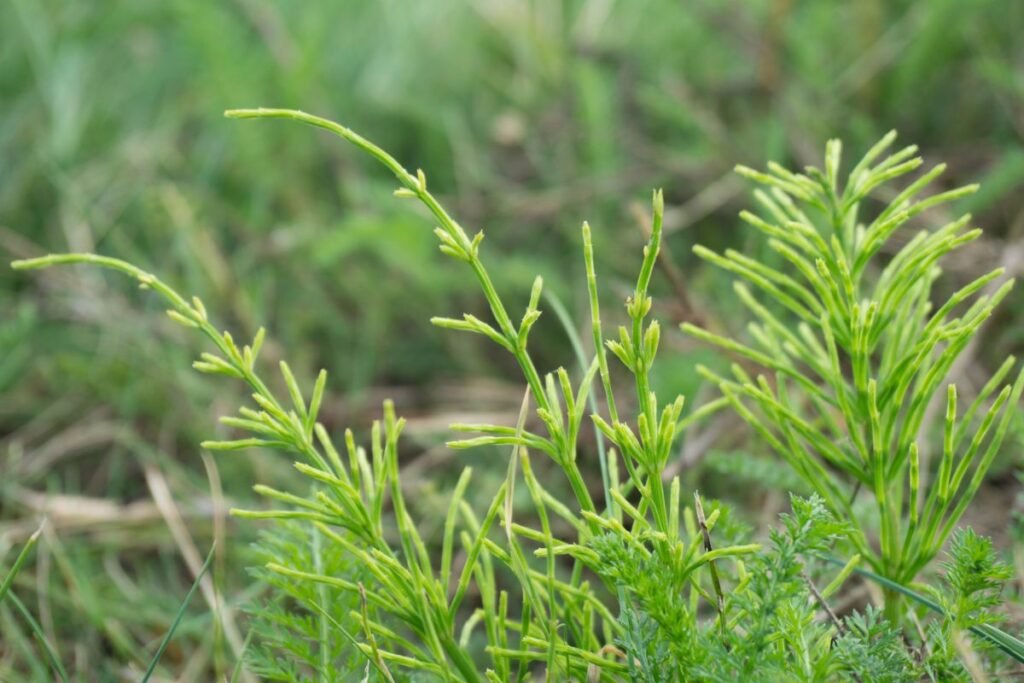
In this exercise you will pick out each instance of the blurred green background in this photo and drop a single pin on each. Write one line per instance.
(528, 118)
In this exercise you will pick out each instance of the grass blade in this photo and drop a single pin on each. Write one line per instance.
(19, 563)
(1011, 645)
(178, 617)
(37, 631)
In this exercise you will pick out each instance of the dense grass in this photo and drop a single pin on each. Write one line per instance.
(529, 116)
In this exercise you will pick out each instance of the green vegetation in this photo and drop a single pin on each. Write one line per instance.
(865, 355)
(659, 567)
(529, 117)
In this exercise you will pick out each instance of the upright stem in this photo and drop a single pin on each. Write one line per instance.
(658, 506)
(579, 488)
(893, 606)
(461, 660)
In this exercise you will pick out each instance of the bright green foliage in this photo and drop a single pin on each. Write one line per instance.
(872, 649)
(857, 350)
(975, 577)
(296, 627)
(972, 587)
(779, 616)
(360, 592)
(773, 633)
(560, 408)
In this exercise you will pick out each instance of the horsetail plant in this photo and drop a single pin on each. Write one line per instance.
(563, 622)
(638, 591)
(857, 353)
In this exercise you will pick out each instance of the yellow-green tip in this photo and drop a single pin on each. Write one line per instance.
(27, 264)
(62, 259)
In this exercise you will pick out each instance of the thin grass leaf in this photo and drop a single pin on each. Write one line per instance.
(1009, 644)
(19, 562)
(48, 650)
(179, 616)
